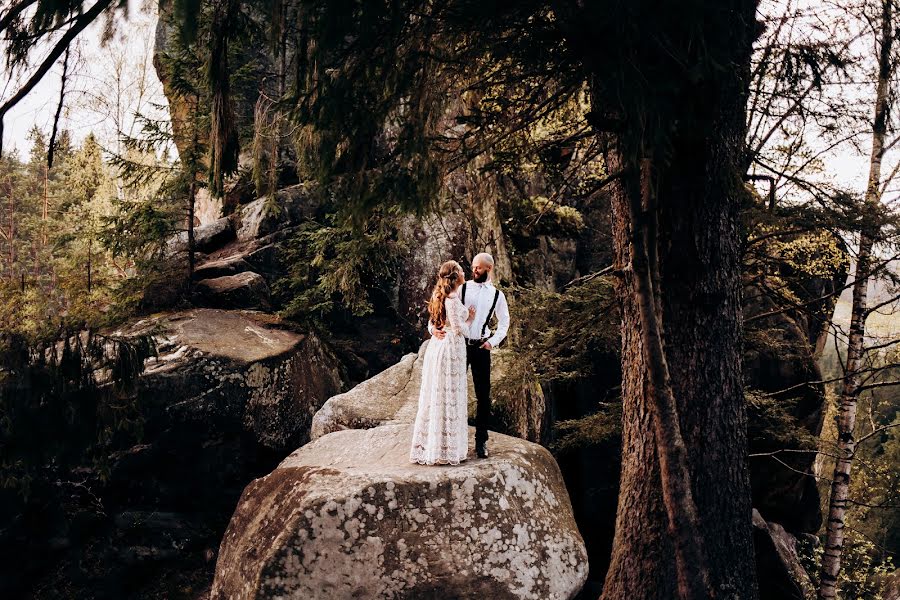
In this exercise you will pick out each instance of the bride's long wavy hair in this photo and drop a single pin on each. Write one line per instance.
(447, 281)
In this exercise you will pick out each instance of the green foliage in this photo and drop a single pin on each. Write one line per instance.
(862, 572)
(548, 349)
(603, 426)
(336, 267)
(544, 334)
(538, 215)
(65, 400)
(771, 425)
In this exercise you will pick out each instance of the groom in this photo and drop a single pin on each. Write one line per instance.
(487, 300)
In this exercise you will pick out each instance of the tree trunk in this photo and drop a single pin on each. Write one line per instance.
(846, 423)
(90, 252)
(192, 203)
(869, 232)
(12, 233)
(696, 289)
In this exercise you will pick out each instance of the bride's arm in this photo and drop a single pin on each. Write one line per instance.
(455, 315)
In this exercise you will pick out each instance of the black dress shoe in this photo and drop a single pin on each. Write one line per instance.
(481, 449)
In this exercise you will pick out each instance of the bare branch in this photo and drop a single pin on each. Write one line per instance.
(80, 25)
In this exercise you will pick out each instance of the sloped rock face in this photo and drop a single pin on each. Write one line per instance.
(392, 397)
(347, 516)
(782, 575)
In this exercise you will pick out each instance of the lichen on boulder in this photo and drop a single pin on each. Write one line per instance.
(348, 516)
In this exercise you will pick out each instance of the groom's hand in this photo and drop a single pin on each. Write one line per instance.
(486, 346)
(439, 333)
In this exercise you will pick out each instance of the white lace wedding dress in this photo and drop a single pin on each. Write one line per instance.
(441, 431)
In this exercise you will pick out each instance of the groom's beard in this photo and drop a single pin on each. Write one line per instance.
(481, 278)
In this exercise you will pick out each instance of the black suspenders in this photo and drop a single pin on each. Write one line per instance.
(490, 312)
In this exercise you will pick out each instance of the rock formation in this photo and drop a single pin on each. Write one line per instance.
(234, 367)
(347, 516)
(776, 557)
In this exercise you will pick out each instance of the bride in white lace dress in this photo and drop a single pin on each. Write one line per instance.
(441, 431)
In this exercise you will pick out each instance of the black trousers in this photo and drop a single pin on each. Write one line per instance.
(480, 360)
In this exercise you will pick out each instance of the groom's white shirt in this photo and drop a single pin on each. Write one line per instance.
(481, 296)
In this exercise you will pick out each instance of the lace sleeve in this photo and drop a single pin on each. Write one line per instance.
(456, 315)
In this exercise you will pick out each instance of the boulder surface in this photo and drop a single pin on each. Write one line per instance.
(348, 516)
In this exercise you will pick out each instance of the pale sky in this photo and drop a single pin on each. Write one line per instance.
(94, 87)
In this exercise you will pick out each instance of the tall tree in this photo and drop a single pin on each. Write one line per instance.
(672, 100)
(869, 233)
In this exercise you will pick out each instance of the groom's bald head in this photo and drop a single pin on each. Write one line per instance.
(482, 265)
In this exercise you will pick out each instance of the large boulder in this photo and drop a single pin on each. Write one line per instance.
(348, 516)
(207, 238)
(392, 397)
(222, 267)
(229, 395)
(267, 215)
(236, 369)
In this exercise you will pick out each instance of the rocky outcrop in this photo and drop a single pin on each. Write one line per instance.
(229, 395)
(207, 237)
(392, 397)
(234, 368)
(220, 268)
(246, 290)
(347, 516)
(267, 215)
(782, 577)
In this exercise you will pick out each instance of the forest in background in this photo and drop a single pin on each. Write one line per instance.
(86, 242)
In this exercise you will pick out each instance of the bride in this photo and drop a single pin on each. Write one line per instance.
(441, 431)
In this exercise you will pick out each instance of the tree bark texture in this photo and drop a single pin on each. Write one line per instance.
(695, 254)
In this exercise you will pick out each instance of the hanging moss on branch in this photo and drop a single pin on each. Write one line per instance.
(66, 401)
(224, 146)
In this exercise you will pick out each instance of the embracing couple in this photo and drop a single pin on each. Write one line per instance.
(460, 312)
